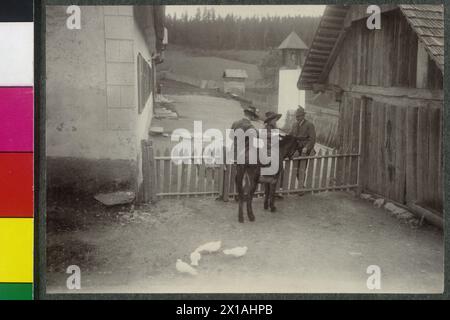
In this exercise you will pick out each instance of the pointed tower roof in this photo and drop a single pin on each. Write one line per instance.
(293, 41)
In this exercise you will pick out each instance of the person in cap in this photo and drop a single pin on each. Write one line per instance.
(304, 129)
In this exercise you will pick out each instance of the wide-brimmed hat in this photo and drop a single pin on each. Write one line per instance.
(251, 110)
(272, 115)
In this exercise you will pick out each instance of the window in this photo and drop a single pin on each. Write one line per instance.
(145, 81)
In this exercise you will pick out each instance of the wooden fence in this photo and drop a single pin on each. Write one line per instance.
(163, 177)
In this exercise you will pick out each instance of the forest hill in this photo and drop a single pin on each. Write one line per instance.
(206, 30)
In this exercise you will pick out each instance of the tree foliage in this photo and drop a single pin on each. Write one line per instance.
(207, 30)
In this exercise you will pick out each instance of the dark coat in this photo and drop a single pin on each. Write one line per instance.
(305, 130)
(245, 125)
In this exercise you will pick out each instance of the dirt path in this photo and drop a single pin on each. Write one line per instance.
(316, 243)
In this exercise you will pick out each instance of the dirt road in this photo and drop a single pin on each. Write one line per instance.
(316, 243)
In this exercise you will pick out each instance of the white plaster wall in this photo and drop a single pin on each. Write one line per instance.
(289, 96)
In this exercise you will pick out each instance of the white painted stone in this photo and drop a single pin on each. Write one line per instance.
(289, 96)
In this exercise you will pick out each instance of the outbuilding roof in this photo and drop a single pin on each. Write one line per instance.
(426, 20)
(235, 73)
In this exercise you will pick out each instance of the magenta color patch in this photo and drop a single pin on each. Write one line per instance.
(16, 119)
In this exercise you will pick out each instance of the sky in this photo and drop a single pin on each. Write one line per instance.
(251, 10)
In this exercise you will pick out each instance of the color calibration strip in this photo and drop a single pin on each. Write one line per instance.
(16, 149)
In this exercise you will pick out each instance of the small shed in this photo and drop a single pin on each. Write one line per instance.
(234, 81)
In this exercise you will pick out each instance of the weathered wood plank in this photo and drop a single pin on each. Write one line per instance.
(175, 173)
(332, 180)
(193, 178)
(201, 178)
(325, 177)
(184, 173)
(309, 174)
(286, 174)
(355, 140)
(433, 157)
(166, 178)
(318, 171)
(159, 170)
(295, 170)
(152, 170)
(422, 149)
(400, 154)
(411, 154)
(226, 182)
(145, 172)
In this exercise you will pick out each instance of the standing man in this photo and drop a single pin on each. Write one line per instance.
(304, 129)
(250, 121)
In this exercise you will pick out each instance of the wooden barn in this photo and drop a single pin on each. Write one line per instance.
(389, 85)
(234, 81)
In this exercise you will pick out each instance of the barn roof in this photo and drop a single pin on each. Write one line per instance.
(293, 41)
(235, 73)
(426, 20)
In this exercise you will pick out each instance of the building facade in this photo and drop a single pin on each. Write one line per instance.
(100, 83)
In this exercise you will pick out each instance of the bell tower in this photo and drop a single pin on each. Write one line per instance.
(293, 51)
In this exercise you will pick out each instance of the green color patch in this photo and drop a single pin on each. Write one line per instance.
(16, 291)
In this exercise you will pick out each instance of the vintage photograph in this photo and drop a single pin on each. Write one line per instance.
(244, 149)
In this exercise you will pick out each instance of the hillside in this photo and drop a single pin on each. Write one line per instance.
(205, 65)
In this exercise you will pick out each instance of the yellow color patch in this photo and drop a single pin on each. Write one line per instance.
(16, 250)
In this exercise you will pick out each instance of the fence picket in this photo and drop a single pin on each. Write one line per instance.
(166, 171)
(189, 179)
(295, 167)
(158, 172)
(318, 170)
(325, 170)
(286, 174)
(309, 174)
(332, 179)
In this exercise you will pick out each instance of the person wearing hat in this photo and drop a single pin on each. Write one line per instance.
(270, 123)
(271, 120)
(250, 121)
(304, 129)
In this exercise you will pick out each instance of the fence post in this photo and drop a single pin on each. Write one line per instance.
(226, 174)
(151, 168)
(145, 172)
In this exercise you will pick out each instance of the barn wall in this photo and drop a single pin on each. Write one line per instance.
(385, 57)
(401, 149)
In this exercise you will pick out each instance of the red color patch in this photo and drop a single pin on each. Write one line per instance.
(16, 185)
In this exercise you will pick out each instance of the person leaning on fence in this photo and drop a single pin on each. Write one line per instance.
(304, 129)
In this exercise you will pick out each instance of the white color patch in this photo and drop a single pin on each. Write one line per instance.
(16, 54)
(289, 96)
